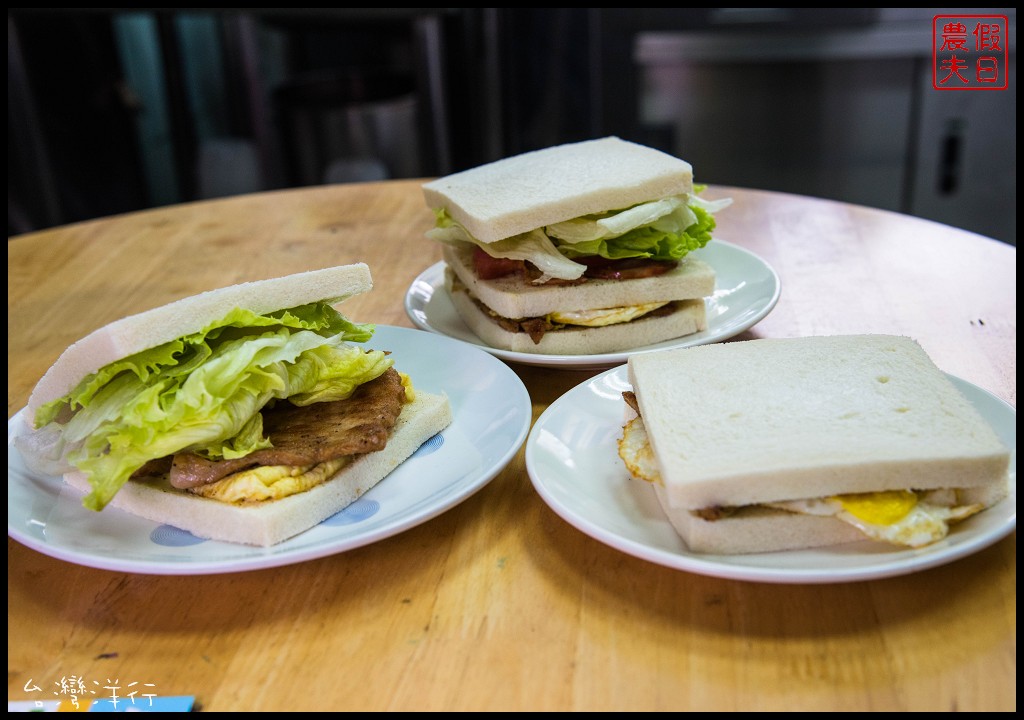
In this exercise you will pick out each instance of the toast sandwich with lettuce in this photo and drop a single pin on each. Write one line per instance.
(245, 414)
(581, 248)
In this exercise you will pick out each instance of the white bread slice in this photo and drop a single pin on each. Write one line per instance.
(274, 521)
(756, 529)
(766, 420)
(135, 333)
(511, 297)
(760, 529)
(524, 192)
(691, 317)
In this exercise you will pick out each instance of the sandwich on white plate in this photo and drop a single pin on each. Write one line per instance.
(785, 444)
(576, 249)
(246, 414)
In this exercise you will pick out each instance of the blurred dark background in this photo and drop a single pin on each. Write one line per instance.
(114, 110)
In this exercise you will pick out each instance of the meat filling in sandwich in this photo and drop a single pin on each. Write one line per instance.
(206, 394)
(247, 414)
(901, 517)
(307, 445)
(573, 241)
(537, 327)
(778, 444)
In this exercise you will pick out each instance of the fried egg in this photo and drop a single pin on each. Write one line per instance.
(270, 482)
(635, 451)
(605, 316)
(900, 517)
(410, 391)
(273, 482)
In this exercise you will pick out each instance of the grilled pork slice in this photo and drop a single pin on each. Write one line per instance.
(303, 435)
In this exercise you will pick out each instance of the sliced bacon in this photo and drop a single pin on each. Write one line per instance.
(489, 268)
(598, 268)
(535, 327)
(714, 512)
(626, 269)
(630, 397)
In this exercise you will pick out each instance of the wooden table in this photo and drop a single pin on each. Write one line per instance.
(499, 604)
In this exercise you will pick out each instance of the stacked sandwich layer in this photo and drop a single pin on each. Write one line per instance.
(577, 249)
(246, 414)
(790, 443)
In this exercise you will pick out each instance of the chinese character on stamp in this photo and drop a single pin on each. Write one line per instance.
(970, 52)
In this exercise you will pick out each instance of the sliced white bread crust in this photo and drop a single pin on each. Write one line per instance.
(511, 297)
(162, 324)
(690, 317)
(760, 529)
(274, 521)
(528, 191)
(756, 529)
(767, 420)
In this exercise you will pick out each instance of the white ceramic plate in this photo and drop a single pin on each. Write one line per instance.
(491, 417)
(746, 290)
(572, 459)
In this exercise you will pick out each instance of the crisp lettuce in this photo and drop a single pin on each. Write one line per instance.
(534, 246)
(665, 229)
(203, 393)
(669, 236)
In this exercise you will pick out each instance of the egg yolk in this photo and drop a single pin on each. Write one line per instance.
(270, 482)
(879, 508)
(410, 392)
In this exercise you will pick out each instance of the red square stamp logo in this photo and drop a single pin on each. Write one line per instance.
(970, 52)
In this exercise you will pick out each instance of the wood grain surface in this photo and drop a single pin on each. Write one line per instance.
(499, 604)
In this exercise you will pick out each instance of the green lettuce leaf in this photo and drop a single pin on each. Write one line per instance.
(203, 393)
(534, 246)
(665, 229)
(669, 237)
